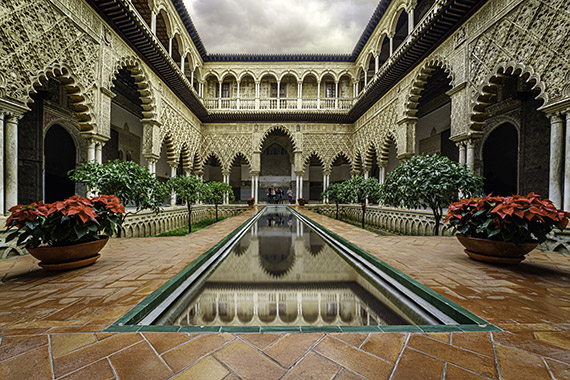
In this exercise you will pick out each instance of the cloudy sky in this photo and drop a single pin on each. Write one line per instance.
(280, 26)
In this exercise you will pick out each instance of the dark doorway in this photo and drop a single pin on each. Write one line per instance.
(500, 160)
(59, 151)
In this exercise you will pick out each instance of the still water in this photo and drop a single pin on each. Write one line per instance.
(281, 273)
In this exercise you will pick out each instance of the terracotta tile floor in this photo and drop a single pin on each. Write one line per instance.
(51, 323)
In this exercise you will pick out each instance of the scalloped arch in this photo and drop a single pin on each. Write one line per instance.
(338, 154)
(485, 92)
(143, 84)
(420, 80)
(307, 158)
(75, 92)
(274, 128)
(387, 139)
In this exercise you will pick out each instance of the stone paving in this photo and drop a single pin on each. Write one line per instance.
(51, 323)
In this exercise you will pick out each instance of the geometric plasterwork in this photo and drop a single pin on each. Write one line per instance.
(38, 42)
(532, 41)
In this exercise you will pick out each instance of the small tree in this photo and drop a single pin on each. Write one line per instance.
(217, 192)
(130, 182)
(335, 193)
(191, 189)
(432, 181)
(359, 190)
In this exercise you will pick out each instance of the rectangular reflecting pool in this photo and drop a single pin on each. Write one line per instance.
(281, 270)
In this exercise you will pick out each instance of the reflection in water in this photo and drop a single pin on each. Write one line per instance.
(282, 273)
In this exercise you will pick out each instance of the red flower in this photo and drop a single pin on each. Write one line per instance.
(23, 213)
(109, 202)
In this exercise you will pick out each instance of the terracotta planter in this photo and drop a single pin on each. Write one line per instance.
(69, 256)
(492, 251)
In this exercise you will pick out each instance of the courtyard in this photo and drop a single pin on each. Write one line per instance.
(52, 324)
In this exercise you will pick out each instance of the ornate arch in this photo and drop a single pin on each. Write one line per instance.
(245, 73)
(485, 92)
(185, 155)
(274, 128)
(368, 154)
(235, 156)
(338, 154)
(328, 72)
(310, 72)
(270, 73)
(75, 91)
(289, 72)
(388, 139)
(172, 153)
(227, 73)
(143, 83)
(312, 153)
(396, 16)
(420, 80)
(207, 157)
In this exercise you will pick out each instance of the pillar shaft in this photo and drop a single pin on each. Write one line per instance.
(461, 147)
(99, 152)
(11, 162)
(556, 158)
(567, 165)
(2, 210)
(470, 155)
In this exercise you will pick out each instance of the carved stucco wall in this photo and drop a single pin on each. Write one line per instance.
(529, 38)
(68, 40)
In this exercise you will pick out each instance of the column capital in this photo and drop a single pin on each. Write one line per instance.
(173, 164)
(299, 174)
(151, 157)
(254, 174)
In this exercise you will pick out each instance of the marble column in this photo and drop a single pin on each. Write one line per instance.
(470, 155)
(336, 95)
(257, 84)
(556, 159)
(153, 22)
(461, 147)
(365, 77)
(381, 174)
(11, 161)
(252, 186)
(376, 63)
(220, 95)
(91, 151)
(256, 188)
(2, 116)
(299, 95)
(391, 45)
(278, 94)
(151, 165)
(410, 21)
(238, 96)
(99, 152)
(173, 194)
(301, 186)
(567, 165)
(318, 95)
(226, 179)
(182, 64)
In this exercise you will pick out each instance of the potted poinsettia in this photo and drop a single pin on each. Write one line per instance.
(250, 201)
(66, 234)
(302, 201)
(504, 229)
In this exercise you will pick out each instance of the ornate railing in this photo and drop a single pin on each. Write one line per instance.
(418, 223)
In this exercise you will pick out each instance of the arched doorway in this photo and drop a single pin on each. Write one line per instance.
(340, 169)
(433, 127)
(60, 157)
(240, 178)
(276, 164)
(314, 177)
(500, 160)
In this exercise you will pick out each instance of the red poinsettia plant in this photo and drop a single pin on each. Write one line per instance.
(515, 218)
(71, 221)
(302, 201)
(250, 201)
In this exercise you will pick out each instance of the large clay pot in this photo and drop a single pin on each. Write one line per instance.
(493, 251)
(69, 256)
